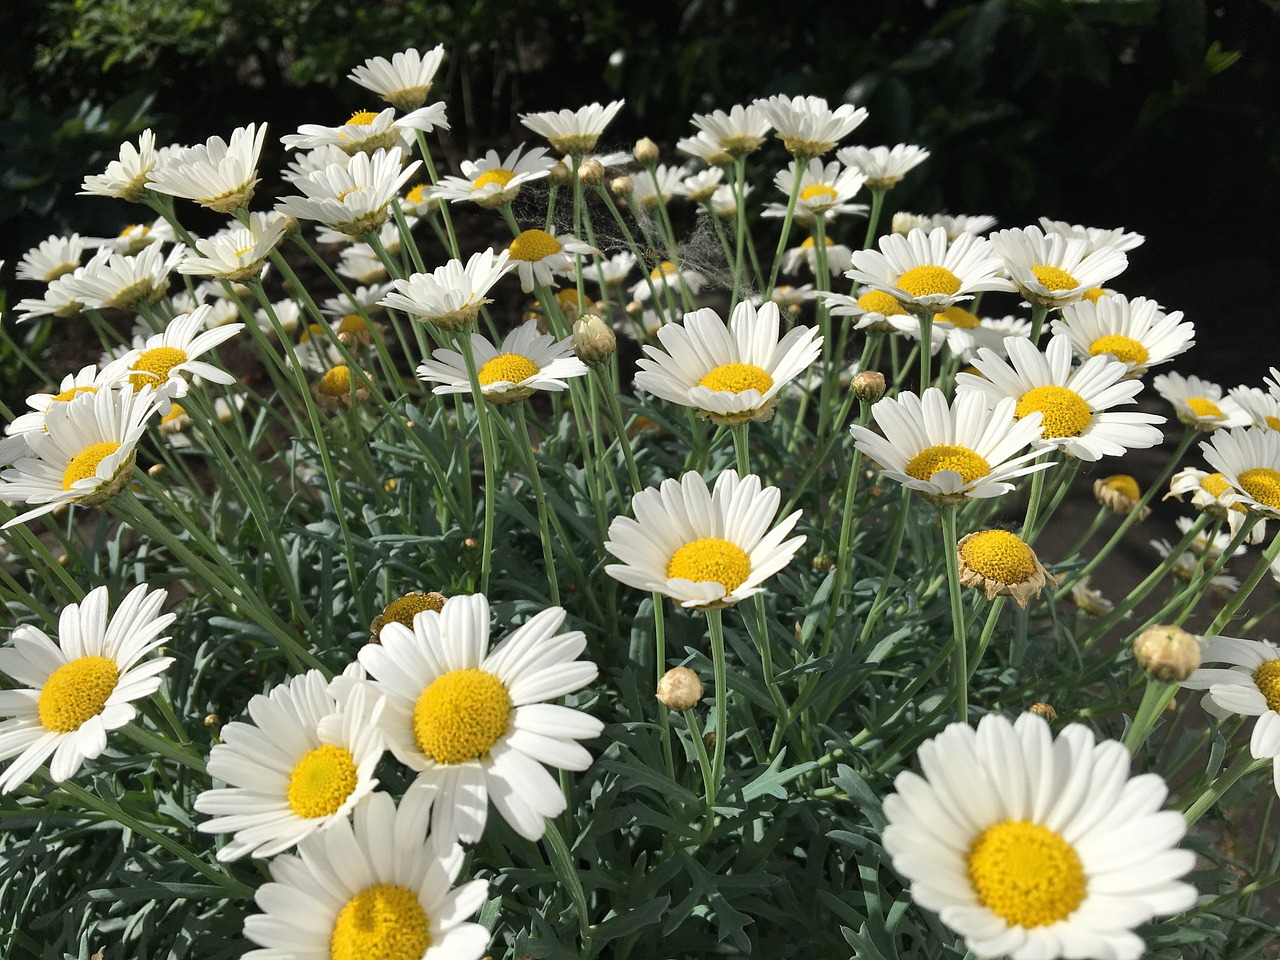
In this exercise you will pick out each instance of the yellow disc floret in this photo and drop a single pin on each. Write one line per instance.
(362, 118)
(999, 555)
(711, 560)
(352, 324)
(928, 279)
(76, 692)
(461, 715)
(958, 317)
(382, 922)
(970, 465)
(1026, 874)
(321, 781)
(1125, 349)
(1054, 278)
(1272, 423)
(736, 377)
(85, 463)
(819, 195)
(1065, 414)
(877, 301)
(809, 243)
(1094, 294)
(74, 392)
(417, 195)
(663, 270)
(153, 366)
(336, 382)
(1263, 484)
(533, 245)
(508, 367)
(1267, 679)
(403, 609)
(1215, 484)
(1204, 408)
(1124, 485)
(499, 175)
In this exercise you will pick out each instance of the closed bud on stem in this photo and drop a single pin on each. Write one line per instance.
(591, 172)
(621, 186)
(679, 689)
(868, 385)
(593, 341)
(560, 174)
(1167, 653)
(645, 152)
(1041, 709)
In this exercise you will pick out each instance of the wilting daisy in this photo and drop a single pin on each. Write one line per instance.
(239, 252)
(367, 132)
(1120, 494)
(1249, 461)
(72, 692)
(216, 174)
(375, 888)
(955, 226)
(338, 387)
(1001, 564)
(1200, 403)
(667, 275)
(1136, 332)
(883, 167)
(475, 723)
(1095, 237)
(574, 132)
(404, 81)
(494, 180)
(807, 126)
(168, 357)
(304, 763)
(1052, 270)
(1034, 846)
(351, 199)
(120, 282)
(1075, 404)
(538, 254)
(451, 295)
(730, 373)
(526, 361)
(704, 548)
(925, 273)
(51, 259)
(126, 177)
(739, 132)
(86, 380)
(951, 453)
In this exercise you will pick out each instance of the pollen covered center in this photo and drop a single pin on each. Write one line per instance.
(736, 377)
(533, 245)
(1215, 484)
(403, 609)
(362, 118)
(1065, 414)
(999, 555)
(877, 301)
(336, 382)
(507, 367)
(958, 317)
(1263, 484)
(321, 781)
(1125, 349)
(74, 392)
(499, 175)
(1267, 679)
(76, 692)
(461, 715)
(970, 465)
(85, 463)
(711, 560)
(1205, 408)
(1026, 873)
(928, 279)
(382, 922)
(153, 366)
(1054, 278)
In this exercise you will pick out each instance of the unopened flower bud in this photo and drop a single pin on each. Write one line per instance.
(470, 543)
(679, 689)
(591, 172)
(291, 225)
(645, 152)
(620, 186)
(212, 721)
(1043, 710)
(560, 174)
(593, 341)
(904, 222)
(868, 385)
(1167, 653)
(155, 470)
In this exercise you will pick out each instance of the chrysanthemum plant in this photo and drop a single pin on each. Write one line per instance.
(342, 608)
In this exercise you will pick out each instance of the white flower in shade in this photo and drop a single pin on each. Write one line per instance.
(1075, 405)
(313, 161)
(955, 226)
(789, 298)
(388, 236)
(1262, 406)
(704, 548)
(526, 361)
(135, 237)
(807, 126)
(538, 254)
(1095, 238)
(1249, 687)
(669, 182)
(239, 252)
(288, 314)
(1037, 847)
(823, 187)
(62, 298)
(125, 178)
(839, 257)
(1051, 270)
(451, 295)
(1187, 566)
(113, 280)
(351, 199)
(699, 186)
(87, 380)
(1200, 403)
(53, 258)
(216, 174)
(574, 132)
(367, 132)
(609, 271)
(1136, 332)
(1249, 461)
(1204, 543)
(925, 273)
(361, 300)
(737, 133)
(724, 202)
(375, 888)
(76, 690)
(883, 167)
(667, 275)
(418, 201)
(729, 373)
(495, 180)
(702, 146)
(951, 453)
(303, 764)
(358, 262)
(404, 81)
(475, 723)
(166, 358)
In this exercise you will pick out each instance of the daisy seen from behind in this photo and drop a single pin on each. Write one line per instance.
(405, 80)
(51, 259)
(883, 167)
(574, 132)
(1095, 237)
(737, 133)
(1136, 332)
(351, 199)
(807, 126)
(927, 274)
(126, 177)
(76, 690)
(451, 295)
(217, 174)
(526, 361)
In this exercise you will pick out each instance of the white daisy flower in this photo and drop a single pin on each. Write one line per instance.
(611, 270)
(925, 273)
(113, 280)
(1202, 543)
(703, 548)
(1187, 566)
(699, 186)
(875, 310)
(125, 178)
(574, 132)
(418, 201)
(839, 257)
(737, 133)
(238, 252)
(303, 764)
(135, 237)
(1249, 461)
(1136, 332)
(475, 723)
(1052, 270)
(368, 132)
(1095, 238)
(1262, 406)
(702, 146)
(668, 275)
(526, 361)
(1200, 403)
(313, 161)
(165, 357)
(51, 259)
(538, 254)
(62, 298)
(494, 180)
(724, 202)
(1075, 405)
(956, 226)
(76, 690)
(451, 295)
(1037, 847)
(358, 262)
(375, 888)
(87, 380)
(883, 167)
(288, 314)
(351, 199)
(215, 174)
(791, 299)
(824, 187)
(361, 300)
(807, 126)
(405, 80)
(669, 183)
(951, 453)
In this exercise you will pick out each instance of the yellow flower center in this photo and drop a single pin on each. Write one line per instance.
(809, 243)
(1054, 278)
(1215, 484)
(819, 194)
(67, 395)
(877, 301)
(958, 317)
(999, 555)
(663, 270)
(404, 609)
(1065, 412)
(928, 279)
(1263, 484)
(499, 175)
(175, 413)
(313, 331)
(1272, 422)
(352, 323)
(336, 382)
(85, 463)
(1267, 679)
(75, 692)
(970, 465)
(382, 922)
(362, 118)
(509, 367)
(533, 245)
(1205, 408)
(152, 368)
(343, 194)
(1124, 485)
(321, 782)
(1026, 873)
(418, 194)
(1094, 294)
(736, 377)
(1122, 348)
(461, 715)
(135, 229)
(711, 560)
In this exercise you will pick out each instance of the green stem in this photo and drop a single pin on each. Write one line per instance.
(155, 743)
(1260, 570)
(801, 165)
(959, 664)
(720, 669)
(660, 655)
(1038, 313)
(740, 445)
(873, 220)
(1155, 697)
(487, 453)
(525, 445)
